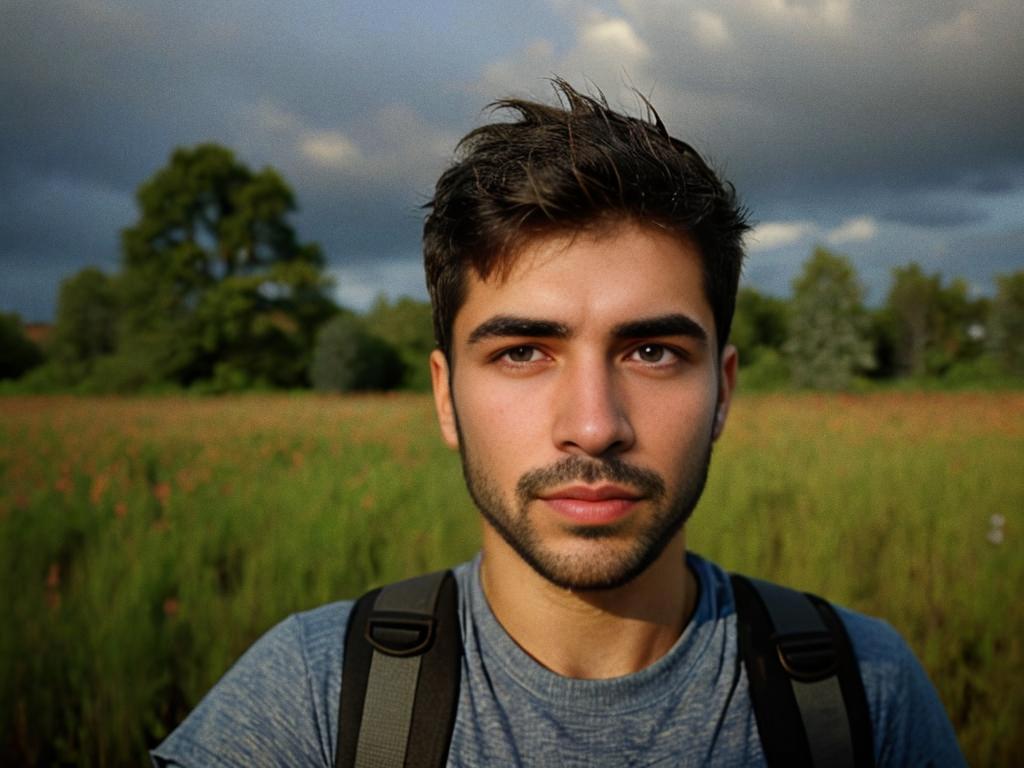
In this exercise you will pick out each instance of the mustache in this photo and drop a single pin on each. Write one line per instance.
(589, 471)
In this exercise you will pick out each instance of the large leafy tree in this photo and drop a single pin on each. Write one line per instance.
(828, 341)
(216, 285)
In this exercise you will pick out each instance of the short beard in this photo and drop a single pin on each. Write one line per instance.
(600, 571)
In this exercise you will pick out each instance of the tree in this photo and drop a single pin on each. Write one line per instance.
(407, 325)
(759, 329)
(86, 325)
(828, 343)
(961, 327)
(348, 358)
(1007, 322)
(18, 354)
(912, 311)
(927, 326)
(216, 285)
(760, 323)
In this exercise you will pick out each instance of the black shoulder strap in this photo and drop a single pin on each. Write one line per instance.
(805, 683)
(400, 676)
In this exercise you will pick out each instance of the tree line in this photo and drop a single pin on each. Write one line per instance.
(927, 331)
(216, 292)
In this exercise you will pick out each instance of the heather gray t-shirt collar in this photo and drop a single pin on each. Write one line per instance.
(621, 695)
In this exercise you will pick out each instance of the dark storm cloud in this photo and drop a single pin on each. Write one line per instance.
(995, 183)
(82, 211)
(105, 90)
(823, 111)
(819, 110)
(810, 98)
(357, 222)
(934, 214)
(97, 94)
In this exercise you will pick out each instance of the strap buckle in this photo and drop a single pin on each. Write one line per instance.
(399, 634)
(807, 656)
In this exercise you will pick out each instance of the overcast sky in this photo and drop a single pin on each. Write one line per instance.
(888, 131)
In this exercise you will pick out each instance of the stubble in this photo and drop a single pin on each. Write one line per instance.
(632, 544)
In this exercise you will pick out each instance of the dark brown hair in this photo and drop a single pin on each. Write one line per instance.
(561, 169)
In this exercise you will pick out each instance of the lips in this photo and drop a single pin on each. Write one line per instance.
(586, 505)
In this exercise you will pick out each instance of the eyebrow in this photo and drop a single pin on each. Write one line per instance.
(662, 325)
(502, 326)
(510, 325)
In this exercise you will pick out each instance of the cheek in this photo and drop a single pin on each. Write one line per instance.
(673, 425)
(487, 416)
(495, 407)
(503, 432)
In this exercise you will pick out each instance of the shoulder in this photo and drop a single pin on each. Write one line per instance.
(910, 724)
(276, 705)
(875, 641)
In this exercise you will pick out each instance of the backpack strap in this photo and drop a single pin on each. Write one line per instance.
(805, 683)
(400, 675)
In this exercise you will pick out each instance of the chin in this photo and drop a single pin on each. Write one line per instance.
(596, 563)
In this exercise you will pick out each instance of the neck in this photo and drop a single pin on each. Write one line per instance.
(596, 634)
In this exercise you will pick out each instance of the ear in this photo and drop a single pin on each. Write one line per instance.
(726, 386)
(439, 377)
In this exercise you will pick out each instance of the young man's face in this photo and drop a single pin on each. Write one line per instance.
(584, 396)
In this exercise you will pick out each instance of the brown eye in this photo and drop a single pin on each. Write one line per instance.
(651, 353)
(520, 354)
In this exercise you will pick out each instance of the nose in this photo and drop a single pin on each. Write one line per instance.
(592, 417)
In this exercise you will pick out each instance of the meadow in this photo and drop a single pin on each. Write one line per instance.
(146, 542)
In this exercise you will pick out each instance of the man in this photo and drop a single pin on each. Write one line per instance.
(582, 268)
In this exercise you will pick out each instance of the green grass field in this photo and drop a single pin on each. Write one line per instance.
(145, 543)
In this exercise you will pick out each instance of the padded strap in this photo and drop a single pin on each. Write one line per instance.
(387, 711)
(804, 679)
(401, 675)
(806, 651)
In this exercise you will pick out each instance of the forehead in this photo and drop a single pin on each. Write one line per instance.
(593, 279)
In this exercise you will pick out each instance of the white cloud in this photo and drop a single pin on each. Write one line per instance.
(330, 149)
(607, 51)
(836, 12)
(390, 146)
(710, 29)
(775, 234)
(612, 37)
(833, 13)
(853, 231)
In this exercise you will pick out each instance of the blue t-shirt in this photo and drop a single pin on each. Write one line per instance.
(278, 705)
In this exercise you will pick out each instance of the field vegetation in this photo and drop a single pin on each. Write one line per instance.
(146, 542)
